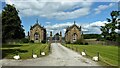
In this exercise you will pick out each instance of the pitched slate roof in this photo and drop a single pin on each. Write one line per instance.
(70, 27)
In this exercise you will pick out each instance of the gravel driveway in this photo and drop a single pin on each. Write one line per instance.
(60, 56)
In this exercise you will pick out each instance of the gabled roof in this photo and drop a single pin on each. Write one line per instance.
(74, 25)
(37, 24)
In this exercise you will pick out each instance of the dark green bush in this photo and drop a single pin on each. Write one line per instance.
(43, 41)
(25, 40)
(68, 42)
(31, 41)
(86, 43)
(81, 43)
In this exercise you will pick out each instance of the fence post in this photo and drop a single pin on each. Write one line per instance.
(84, 50)
(32, 52)
(40, 51)
(98, 54)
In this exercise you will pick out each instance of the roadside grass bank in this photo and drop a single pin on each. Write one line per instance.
(108, 54)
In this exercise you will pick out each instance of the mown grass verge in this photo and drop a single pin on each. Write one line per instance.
(108, 54)
(24, 50)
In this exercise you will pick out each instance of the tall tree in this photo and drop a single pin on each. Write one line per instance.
(0, 26)
(11, 24)
(108, 31)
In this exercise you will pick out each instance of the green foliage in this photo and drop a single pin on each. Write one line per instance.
(68, 42)
(11, 24)
(31, 41)
(91, 36)
(86, 43)
(25, 40)
(118, 39)
(43, 41)
(81, 42)
(108, 31)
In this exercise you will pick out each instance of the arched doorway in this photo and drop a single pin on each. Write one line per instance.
(56, 37)
(36, 37)
(74, 37)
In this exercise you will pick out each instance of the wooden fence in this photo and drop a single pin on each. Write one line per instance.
(93, 41)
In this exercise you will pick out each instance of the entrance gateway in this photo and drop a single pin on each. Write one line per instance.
(38, 34)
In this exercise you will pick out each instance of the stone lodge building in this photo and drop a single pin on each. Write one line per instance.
(37, 33)
(73, 33)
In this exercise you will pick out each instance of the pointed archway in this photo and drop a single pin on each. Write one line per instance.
(74, 37)
(36, 37)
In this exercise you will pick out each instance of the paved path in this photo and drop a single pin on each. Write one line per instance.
(60, 56)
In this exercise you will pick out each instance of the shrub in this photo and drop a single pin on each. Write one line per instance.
(31, 41)
(25, 40)
(81, 43)
(75, 42)
(86, 43)
(43, 41)
(68, 42)
(16, 52)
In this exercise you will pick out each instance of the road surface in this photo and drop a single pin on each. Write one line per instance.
(60, 56)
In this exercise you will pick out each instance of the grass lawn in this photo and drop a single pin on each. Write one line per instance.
(25, 50)
(108, 54)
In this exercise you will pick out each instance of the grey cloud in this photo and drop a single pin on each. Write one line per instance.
(55, 10)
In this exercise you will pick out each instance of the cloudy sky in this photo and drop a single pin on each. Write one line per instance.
(57, 15)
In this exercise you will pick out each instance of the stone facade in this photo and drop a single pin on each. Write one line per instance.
(37, 33)
(73, 33)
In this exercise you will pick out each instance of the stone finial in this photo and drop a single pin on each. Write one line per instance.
(80, 28)
(60, 33)
(50, 33)
(37, 21)
(74, 22)
(28, 33)
(30, 27)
